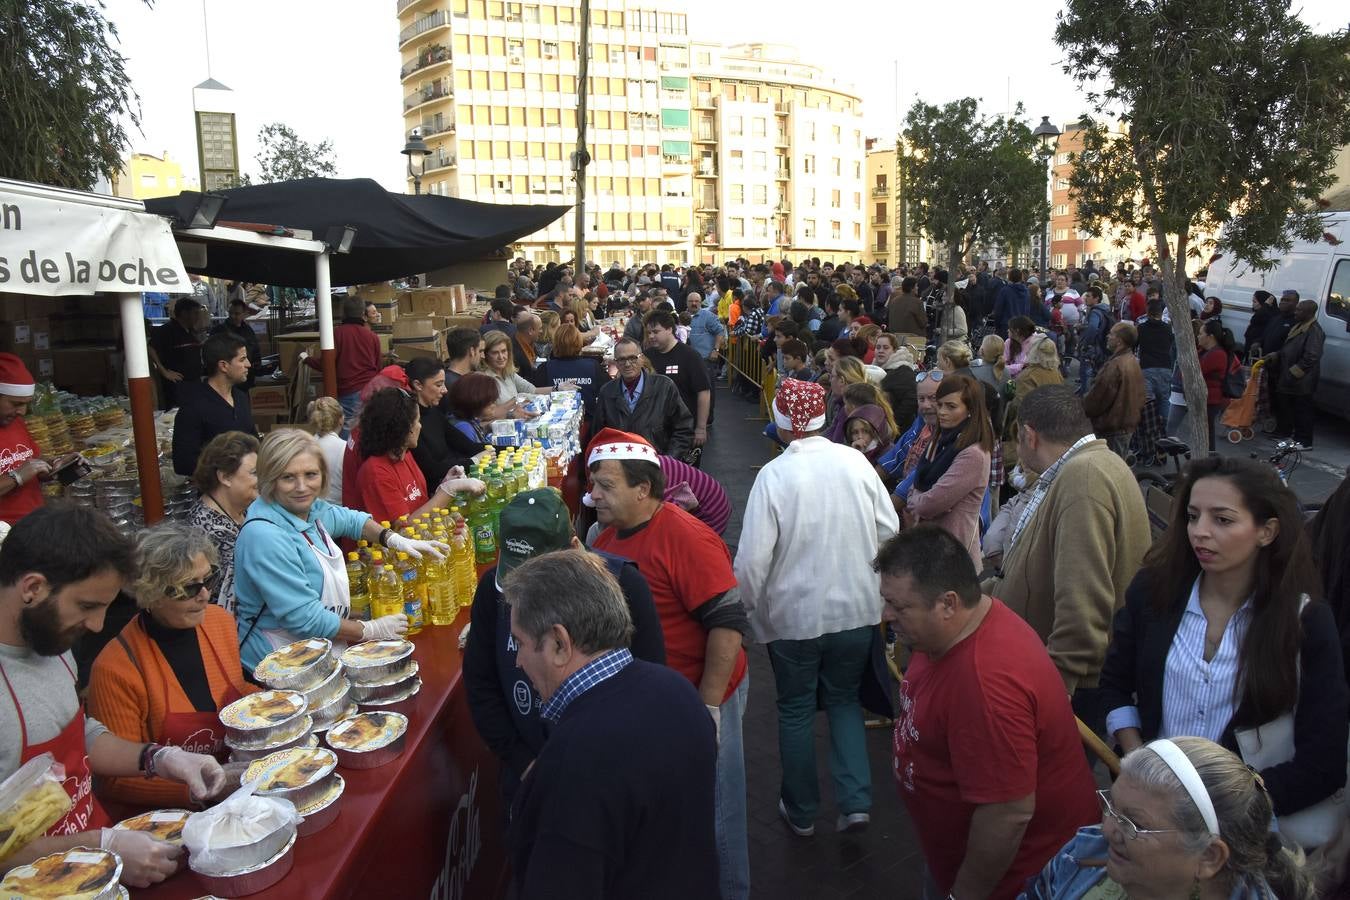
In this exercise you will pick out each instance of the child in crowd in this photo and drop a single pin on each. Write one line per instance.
(796, 361)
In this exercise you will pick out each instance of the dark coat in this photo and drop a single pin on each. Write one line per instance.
(901, 391)
(1133, 675)
(1301, 360)
(1012, 301)
(660, 416)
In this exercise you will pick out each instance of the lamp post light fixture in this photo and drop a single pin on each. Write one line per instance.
(417, 152)
(1047, 135)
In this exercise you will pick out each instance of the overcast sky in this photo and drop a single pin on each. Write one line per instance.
(330, 69)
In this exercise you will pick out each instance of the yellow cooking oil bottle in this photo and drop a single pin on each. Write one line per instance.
(414, 593)
(358, 583)
(440, 590)
(386, 590)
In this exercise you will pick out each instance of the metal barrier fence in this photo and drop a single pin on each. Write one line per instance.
(745, 361)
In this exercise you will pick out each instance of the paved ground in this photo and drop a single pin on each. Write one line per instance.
(883, 861)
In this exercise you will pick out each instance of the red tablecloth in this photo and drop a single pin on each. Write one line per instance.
(428, 824)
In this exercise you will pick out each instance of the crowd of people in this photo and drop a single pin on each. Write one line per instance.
(936, 492)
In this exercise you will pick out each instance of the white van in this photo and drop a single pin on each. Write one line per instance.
(1318, 271)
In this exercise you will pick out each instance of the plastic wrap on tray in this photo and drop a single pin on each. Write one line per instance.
(242, 831)
(31, 801)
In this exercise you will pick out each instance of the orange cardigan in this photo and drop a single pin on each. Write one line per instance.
(133, 707)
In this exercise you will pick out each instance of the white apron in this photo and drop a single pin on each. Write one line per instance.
(336, 596)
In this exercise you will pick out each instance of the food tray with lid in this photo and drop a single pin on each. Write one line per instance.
(247, 880)
(264, 718)
(346, 711)
(400, 700)
(304, 738)
(80, 873)
(320, 693)
(321, 813)
(162, 824)
(333, 710)
(298, 666)
(382, 690)
(372, 662)
(300, 775)
(369, 739)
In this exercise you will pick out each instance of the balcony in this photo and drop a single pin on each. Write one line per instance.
(780, 109)
(437, 90)
(784, 175)
(429, 22)
(708, 237)
(707, 204)
(676, 159)
(782, 139)
(433, 55)
(440, 160)
(437, 124)
(705, 136)
(881, 191)
(404, 4)
(704, 101)
(881, 220)
(706, 169)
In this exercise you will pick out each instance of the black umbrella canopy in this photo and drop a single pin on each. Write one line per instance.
(396, 234)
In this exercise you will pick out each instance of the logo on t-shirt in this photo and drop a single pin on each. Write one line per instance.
(523, 696)
(13, 457)
(413, 492)
(673, 370)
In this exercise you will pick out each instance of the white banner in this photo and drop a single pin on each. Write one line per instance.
(53, 246)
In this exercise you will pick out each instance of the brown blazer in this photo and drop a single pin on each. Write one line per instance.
(1116, 400)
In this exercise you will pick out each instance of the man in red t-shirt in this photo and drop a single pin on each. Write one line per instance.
(987, 754)
(21, 465)
(689, 571)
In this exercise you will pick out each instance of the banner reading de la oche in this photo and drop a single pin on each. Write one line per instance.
(54, 247)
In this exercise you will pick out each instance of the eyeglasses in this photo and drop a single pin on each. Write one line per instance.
(628, 360)
(191, 589)
(934, 374)
(1128, 828)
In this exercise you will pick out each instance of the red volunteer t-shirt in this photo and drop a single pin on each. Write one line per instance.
(686, 564)
(16, 448)
(389, 488)
(990, 722)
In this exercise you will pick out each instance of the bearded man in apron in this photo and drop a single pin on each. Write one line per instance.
(60, 568)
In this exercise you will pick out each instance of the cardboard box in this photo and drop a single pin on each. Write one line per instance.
(87, 369)
(288, 347)
(421, 327)
(431, 302)
(269, 400)
(379, 291)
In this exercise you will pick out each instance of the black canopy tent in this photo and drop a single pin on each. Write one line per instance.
(396, 234)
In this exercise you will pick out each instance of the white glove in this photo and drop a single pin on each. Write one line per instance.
(716, 713)
(453, 483)
(385, 628)
(400, 544)
(201, 773)
(145, 860)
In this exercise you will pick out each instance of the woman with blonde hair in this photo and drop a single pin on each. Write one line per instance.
(499, 365)
(164, 678)
(325, 417)
(869, 334)
(845, 371)
(290, 577)
(548, 322)
(1041, 368)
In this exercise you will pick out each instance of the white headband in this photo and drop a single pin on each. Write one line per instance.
(783, 422)
(1186, 773)
(17, 390)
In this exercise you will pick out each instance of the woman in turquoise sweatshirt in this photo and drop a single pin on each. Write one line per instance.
(290, 577)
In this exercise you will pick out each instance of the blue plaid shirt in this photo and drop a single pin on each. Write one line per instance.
(583, 679)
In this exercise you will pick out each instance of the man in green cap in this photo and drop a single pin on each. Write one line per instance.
(504, 705)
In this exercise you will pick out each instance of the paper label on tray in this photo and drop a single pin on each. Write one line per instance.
(85, 858)
(165, 816)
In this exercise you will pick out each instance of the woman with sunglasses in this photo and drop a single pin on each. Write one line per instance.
(1186, 819)
(164, 678)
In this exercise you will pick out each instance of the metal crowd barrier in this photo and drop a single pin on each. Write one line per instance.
(744, 359)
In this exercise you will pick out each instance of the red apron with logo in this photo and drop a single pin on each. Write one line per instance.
(69, 750)
(196, 732)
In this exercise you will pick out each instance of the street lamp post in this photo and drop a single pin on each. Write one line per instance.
(417, 152)
(1048, 137)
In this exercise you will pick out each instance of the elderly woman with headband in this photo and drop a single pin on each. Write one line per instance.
(164, 678)
(1186, 819)
(290, 576)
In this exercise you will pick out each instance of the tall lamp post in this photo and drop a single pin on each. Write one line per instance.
(417, 152)
(1048, 137)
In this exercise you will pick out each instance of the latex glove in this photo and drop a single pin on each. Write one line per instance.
(716, 713)
(385, 628)
(145, 860)
(201, 773)
(453, 483)
(400, 544)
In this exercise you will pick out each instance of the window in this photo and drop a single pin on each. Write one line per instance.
(515, 52)
(735, 126)
(737, 161)
(515, 80)
(516, 115)
(495, 10)
(811, 197)
(760, 160)
(1061, 184)
(883, 242)
(497, 80)
(1062, 159)
(1061, 234)
(809, 164)
(1059, 260)
(1338, 298)
(1062, 209)
(811, 131)
(737, 193)
(857, 200)
(881, 182)
(834, 198)
(566, 14)
(835, 230)
(838, 134)
(808, 228)
(761, 194)
(550, 49)
(704, 59)
(761, 227)
(857, 170)
(836, 166)
(758, 126)
(478, 44)
(736, 227)
(149, 180)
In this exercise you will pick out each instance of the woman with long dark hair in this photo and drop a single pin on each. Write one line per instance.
(953, 473)
(1222, 634)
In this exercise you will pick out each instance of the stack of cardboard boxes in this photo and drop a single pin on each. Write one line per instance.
(73, 342)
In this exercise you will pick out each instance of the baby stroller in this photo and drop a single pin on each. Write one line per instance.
(1244, 412)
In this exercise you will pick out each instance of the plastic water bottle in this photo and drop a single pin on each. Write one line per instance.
(358, 584)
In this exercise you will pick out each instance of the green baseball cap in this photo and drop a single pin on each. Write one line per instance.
(533, 523)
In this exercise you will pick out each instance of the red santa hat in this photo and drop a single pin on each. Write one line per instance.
(611, 443)
(15, 379)
(799, 406)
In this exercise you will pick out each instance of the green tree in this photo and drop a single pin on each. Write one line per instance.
(974, 179)
(1229, 112)
(283, 156)
(64, 93)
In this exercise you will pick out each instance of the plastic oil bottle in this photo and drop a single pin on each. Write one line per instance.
(440, 590)
(386, 591)
(414, 593)
(359, 584)
(484, 530)
(462, 565)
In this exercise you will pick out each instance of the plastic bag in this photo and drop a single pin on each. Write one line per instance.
(220, 839)
(31, 801)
